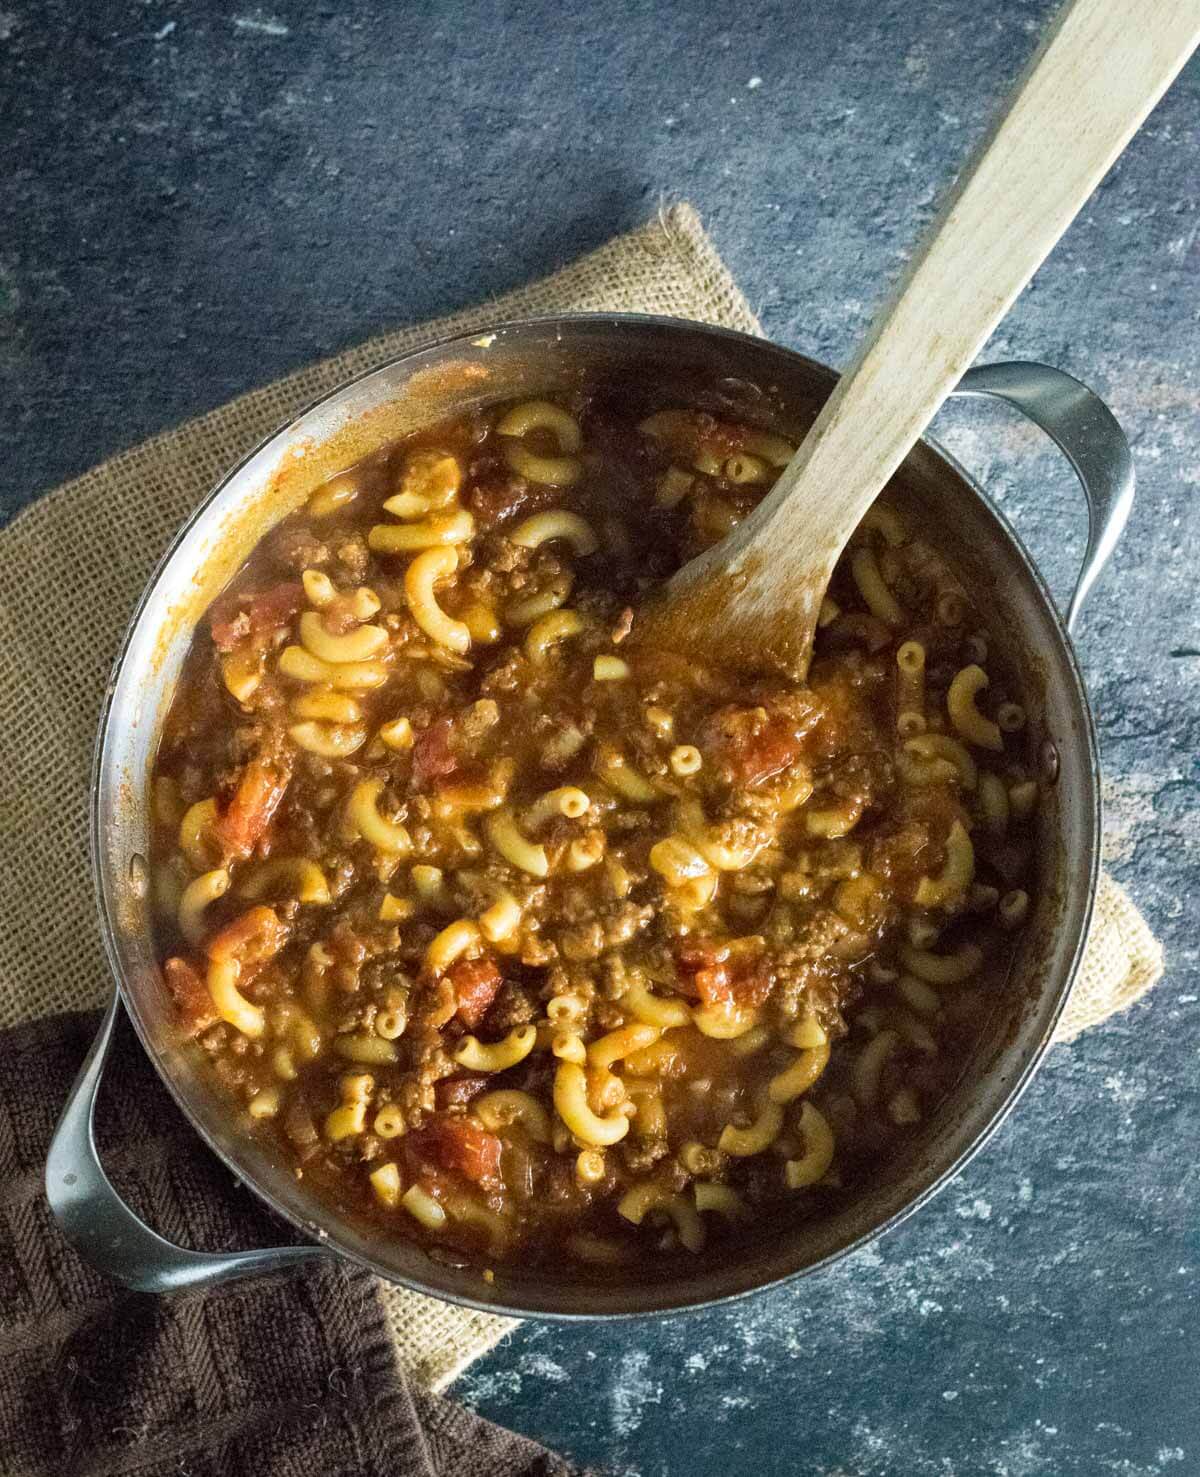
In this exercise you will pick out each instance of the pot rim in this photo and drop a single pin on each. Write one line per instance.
(321, 1231)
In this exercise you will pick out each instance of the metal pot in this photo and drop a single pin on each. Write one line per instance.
(729, 372)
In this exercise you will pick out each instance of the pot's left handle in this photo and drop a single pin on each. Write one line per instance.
(103, 1229)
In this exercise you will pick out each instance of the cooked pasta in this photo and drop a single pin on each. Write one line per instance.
(292, 876)
(363, 815)
(756, 1137)
(496, 1056)
(549, 630)
(545, 528)
(529, 940)
(301, 666)
(423, 575)
(515, 847)
(572, 1106)
(197, 897)
(969, 723)
(358, 645)
(543, 416)
(436, 531)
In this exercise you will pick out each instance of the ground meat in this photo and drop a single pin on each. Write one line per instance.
(475, 721)
(432, 756)
(802, 969)
(299, 548)
(496, 499)
(500, 556)
(609, 1015)
(353, 557)
(232, 1072)
(347, 943)
(641, 1154)
(458, 1091)
(861, 777)
(416, 1099)
(536, 951)
(339, 873)
(369, 1147)
(752, 882)
(507, 674)
(581, 940)
(566, 739)
(559, 1184)
(359, 1016)
(598, 927)
(300, 1128)
(515, 1005)
(897, 854)
(216, 1039)
(622, 922)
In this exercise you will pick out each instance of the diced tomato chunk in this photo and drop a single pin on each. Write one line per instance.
(475, 983)
(249, 813)
(252, 615)
(190, 994)
(700, 953)
(776, 748)
(431, 756)
(227, 632)
(451, 1090)
(458, 1145)
(252, 939)
(752, 986)
(749, 745)
(715, 985)
(276, 606)
(721, 975)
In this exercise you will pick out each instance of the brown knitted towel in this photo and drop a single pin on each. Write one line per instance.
(293, 1374)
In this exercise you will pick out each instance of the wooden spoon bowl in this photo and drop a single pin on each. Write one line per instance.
(754, 598)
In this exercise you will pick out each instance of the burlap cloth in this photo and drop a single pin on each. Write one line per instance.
(72, 567)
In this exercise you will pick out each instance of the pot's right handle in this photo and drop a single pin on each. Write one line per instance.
(104, 1230)
(1086, 430)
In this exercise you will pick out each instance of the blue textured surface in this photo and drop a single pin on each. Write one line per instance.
(199, 198)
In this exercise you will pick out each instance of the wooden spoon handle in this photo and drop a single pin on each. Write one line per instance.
(1099, 71)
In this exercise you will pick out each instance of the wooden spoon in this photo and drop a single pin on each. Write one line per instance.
(753, 599)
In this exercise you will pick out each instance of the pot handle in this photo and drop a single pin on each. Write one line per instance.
(1087, 432)
(103, 1229)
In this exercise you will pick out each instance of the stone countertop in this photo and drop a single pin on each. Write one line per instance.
(201, 197)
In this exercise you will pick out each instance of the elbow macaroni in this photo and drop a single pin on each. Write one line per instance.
(199, 895)
(423, 575)
(743, 1143)
(513, 846)
(652, 941)
(957, 874)
(544, 416)
(497, 1056)
(362, 812)
(572, 1106)
(969, 723)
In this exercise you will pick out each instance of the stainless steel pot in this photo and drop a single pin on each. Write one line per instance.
(729, 372)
